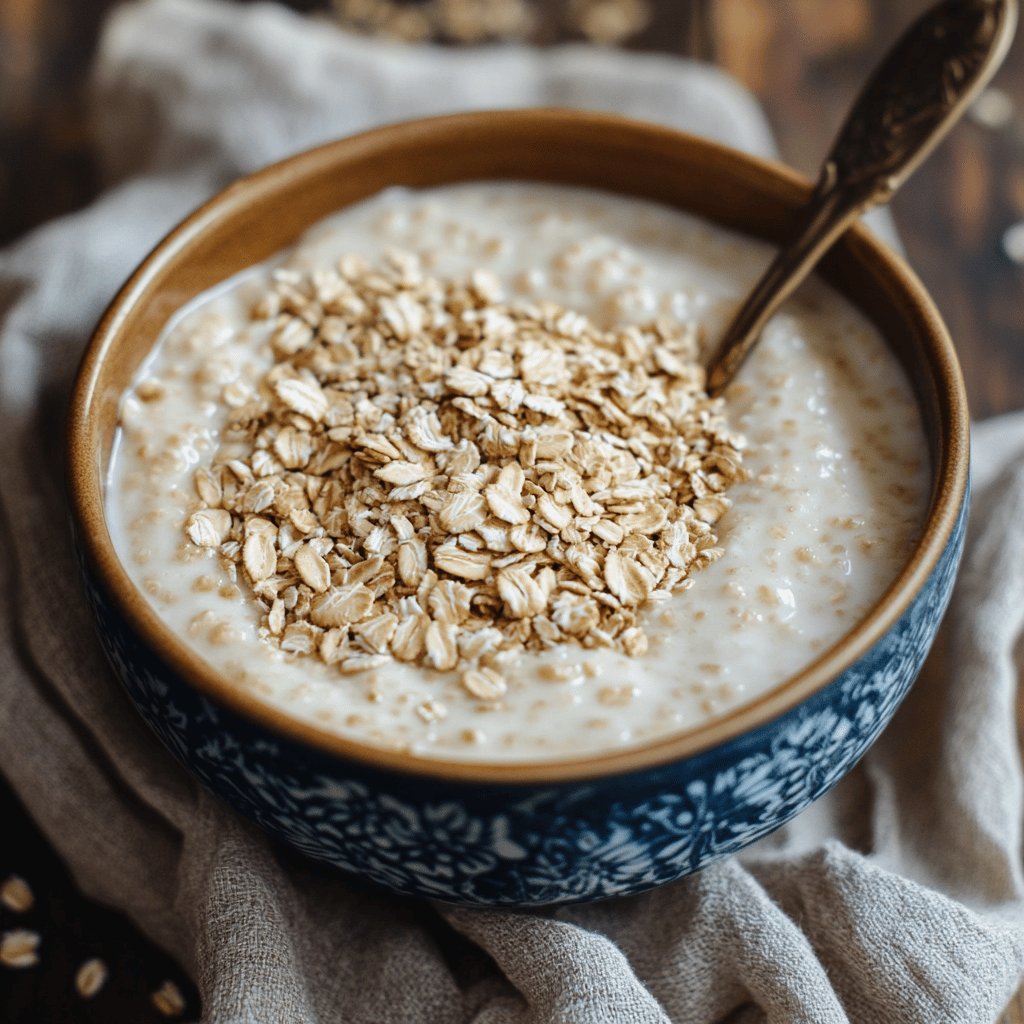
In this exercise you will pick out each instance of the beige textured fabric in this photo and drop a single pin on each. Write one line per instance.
(897, 898)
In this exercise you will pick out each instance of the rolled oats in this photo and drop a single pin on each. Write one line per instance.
(19, 948)
(16, 895)
(90, 978)
(484, 683)
(209, 527)
(169, 1000)
(443, 478)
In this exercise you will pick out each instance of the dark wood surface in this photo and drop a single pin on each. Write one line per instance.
(803, 58)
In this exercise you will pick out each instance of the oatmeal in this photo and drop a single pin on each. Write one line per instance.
(444, 477)
(430, 474)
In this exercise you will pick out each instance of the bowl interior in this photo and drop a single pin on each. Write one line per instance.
(261, 214)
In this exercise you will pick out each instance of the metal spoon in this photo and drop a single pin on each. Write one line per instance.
(913, 98)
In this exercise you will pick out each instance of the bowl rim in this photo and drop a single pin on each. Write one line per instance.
(86, 482)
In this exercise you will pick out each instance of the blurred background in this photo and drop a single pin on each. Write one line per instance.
(804, 59)
(961, 220)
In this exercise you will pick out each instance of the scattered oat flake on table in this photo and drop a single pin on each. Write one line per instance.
(463, 477)
(19, 948)
(169, 1000)
(90, 978)
(16, 895)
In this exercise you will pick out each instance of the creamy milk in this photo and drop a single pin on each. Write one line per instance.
(834, 504)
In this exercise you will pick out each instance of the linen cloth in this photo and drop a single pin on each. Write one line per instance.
(899, 897)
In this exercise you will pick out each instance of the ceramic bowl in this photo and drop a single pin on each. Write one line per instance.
(536, 833)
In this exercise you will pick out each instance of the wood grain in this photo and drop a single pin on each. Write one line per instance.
(804, 59)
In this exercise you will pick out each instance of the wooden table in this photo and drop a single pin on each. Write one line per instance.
(803, 58)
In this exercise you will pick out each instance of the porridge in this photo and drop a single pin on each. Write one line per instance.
(443, 477)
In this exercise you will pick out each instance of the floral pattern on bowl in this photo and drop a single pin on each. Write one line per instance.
(534, 843)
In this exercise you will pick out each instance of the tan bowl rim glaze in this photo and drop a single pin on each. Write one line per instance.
(87, 470)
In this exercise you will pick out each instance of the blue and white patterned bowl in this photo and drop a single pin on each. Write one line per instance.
(552, 832)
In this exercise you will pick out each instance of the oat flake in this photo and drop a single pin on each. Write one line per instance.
(462, 468)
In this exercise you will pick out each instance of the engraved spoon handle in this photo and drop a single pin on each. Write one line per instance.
(913, 98)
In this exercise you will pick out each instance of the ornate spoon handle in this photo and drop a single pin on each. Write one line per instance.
(909, 103)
